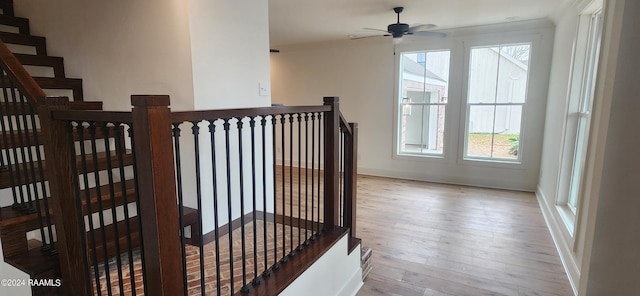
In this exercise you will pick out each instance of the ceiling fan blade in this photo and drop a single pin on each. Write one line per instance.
(363, 37)
(419, 28)
(379, 30)
(429, 34)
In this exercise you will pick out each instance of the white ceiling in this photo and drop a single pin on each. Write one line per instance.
(305, 21)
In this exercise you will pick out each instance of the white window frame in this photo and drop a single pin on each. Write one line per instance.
(468, 106)
(401, 108)
(526, 130)
(571, 183)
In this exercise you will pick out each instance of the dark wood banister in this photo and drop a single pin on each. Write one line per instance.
(23, 80)
(246, 112)
(345, 124)
(162, 269)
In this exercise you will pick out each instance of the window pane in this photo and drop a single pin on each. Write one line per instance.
(506, 142)
(422, 99)
(483, 70)
(480, 131)
(423, 129)
(579, 158)
(512, 73)
(496, 95)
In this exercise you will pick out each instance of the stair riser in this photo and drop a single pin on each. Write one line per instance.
(14, 240)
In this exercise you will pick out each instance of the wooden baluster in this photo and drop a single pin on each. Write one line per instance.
(351, 176)
(331, 164)
(69, 227)
(157, 192)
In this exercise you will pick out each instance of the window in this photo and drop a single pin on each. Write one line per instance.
(422, 98)
(583, 76)
(496, 96)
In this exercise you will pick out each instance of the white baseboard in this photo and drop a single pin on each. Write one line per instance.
(477, 181)
(564, 246)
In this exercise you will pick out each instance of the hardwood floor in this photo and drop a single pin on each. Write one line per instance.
(436, 239)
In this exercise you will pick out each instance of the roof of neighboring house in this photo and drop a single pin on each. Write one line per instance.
(411, 66)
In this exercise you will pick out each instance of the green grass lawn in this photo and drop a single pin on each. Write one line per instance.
(480, 145)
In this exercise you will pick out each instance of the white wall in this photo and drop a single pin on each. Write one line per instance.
(322, 278)
(185, 49)
(119, 47)
(362, 73)
(614, 261)
(230, 53)
(229, 62)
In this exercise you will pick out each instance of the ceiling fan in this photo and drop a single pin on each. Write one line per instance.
(398, 30)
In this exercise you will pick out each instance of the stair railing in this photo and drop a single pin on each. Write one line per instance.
(71, 139)
(258, 180)
(22, 161)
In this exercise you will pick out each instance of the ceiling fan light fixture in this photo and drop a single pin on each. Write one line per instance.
(398, 30)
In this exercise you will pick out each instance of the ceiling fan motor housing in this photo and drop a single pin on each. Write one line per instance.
(398, 30)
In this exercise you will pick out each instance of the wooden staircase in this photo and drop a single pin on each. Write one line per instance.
(40, 260)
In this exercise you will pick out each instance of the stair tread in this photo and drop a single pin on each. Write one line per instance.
(5, 182)
(10, 108)
(34, 262)
(22, 39)
(57, 63)
(19, 22)
(29, 139)
(75, 84)
(10, 217)
(105, 196)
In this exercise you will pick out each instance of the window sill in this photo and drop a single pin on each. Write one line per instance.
(568, 217)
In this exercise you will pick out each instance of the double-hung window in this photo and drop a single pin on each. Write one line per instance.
(578, 121)
(496, 97)
(422, 99)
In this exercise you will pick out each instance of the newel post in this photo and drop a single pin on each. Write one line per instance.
(157, 191)
(351, 179)
(331, 164)
(60, 174)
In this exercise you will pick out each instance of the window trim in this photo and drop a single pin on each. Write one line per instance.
(534, 40)
(452, 160)
(577, 111)
(398, 107)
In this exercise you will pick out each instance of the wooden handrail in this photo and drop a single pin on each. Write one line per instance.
(246, 112)
(93, 115)
(19, 75)
(345, 125)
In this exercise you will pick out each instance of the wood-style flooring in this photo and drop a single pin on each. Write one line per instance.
(436, 239)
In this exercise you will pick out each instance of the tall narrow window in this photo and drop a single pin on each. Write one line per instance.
(496, 96)
(424, 86)
(582, 116)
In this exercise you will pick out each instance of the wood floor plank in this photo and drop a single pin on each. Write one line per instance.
(439, 239)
